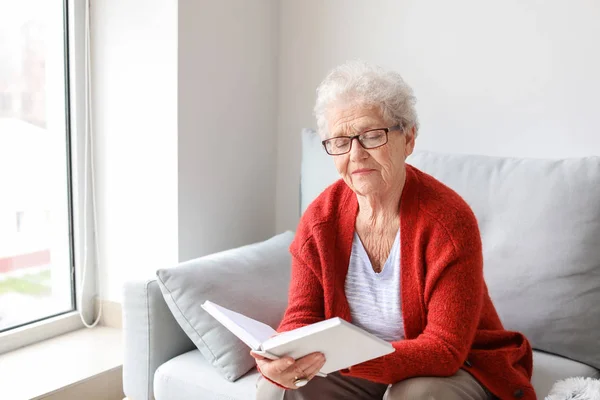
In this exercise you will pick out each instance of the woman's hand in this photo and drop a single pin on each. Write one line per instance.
(286, 370)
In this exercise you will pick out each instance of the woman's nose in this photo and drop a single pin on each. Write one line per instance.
(356, 150)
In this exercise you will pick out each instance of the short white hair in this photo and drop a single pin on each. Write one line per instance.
(364, 84)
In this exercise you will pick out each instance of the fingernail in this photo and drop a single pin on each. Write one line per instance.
(289, 362)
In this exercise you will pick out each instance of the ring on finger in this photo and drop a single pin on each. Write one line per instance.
(299, 382)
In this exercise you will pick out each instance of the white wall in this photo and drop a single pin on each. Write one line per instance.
(185, 105)
(227, 105)
(190, 97)
(511, 78)
(135, 126)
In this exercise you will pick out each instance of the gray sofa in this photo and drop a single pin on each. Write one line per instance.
(540, 225)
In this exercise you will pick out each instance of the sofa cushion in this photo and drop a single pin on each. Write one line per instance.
(540, 227)
(252, 280)
(190, 377)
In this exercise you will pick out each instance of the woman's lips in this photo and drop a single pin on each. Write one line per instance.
(362, 171)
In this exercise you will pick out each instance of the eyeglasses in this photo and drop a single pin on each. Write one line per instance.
(371, 139)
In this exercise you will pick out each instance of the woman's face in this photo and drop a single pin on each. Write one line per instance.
(369, 172)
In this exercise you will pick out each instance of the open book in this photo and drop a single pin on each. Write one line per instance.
(342, 343)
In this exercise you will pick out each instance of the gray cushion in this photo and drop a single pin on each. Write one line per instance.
(540, 227)
(252, 280)
(548, 368)
(190, 377)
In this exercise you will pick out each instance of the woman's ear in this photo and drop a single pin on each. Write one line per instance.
(409, 145)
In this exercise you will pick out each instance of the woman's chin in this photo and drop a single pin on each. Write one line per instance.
(365, 190)
(366, 183)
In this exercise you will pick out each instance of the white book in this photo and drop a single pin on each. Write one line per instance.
(342, 343)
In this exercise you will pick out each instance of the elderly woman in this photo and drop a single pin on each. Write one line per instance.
(397, 253)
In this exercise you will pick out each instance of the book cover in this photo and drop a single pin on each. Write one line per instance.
(342, 343)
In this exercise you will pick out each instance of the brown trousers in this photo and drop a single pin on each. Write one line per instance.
(461, 386)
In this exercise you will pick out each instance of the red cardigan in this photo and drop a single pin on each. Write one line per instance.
(449, 319)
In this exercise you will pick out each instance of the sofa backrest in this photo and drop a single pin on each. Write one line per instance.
(540, 228)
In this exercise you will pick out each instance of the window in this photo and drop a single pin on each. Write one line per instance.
(36, 255)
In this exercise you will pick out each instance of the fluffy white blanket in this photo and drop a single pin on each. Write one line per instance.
(575, 389)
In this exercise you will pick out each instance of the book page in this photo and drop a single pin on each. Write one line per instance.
(248, 330)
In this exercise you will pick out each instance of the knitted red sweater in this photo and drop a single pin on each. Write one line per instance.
(449, 319)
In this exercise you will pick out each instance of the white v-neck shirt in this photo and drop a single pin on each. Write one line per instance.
(374, 298)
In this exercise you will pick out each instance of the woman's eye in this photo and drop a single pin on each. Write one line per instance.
(372, 136)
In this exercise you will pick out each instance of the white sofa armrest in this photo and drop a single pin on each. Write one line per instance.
(151, 337)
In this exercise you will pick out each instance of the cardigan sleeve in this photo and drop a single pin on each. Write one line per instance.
(305, 297)
(453, 297)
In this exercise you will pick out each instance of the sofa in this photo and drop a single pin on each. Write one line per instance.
(540, 227)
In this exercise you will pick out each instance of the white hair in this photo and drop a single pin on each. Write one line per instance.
(364, 84)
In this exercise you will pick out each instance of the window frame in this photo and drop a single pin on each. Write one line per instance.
(75, 42)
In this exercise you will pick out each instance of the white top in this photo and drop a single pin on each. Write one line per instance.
(374, 298)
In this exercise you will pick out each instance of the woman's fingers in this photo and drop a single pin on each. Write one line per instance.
(305, 367)
(272, 365)
(313, 365)
(262, 364)
(275, 369)
(282, 364)
(257, 356)
(285, 370)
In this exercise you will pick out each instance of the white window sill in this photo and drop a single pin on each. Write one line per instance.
(65, 367)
